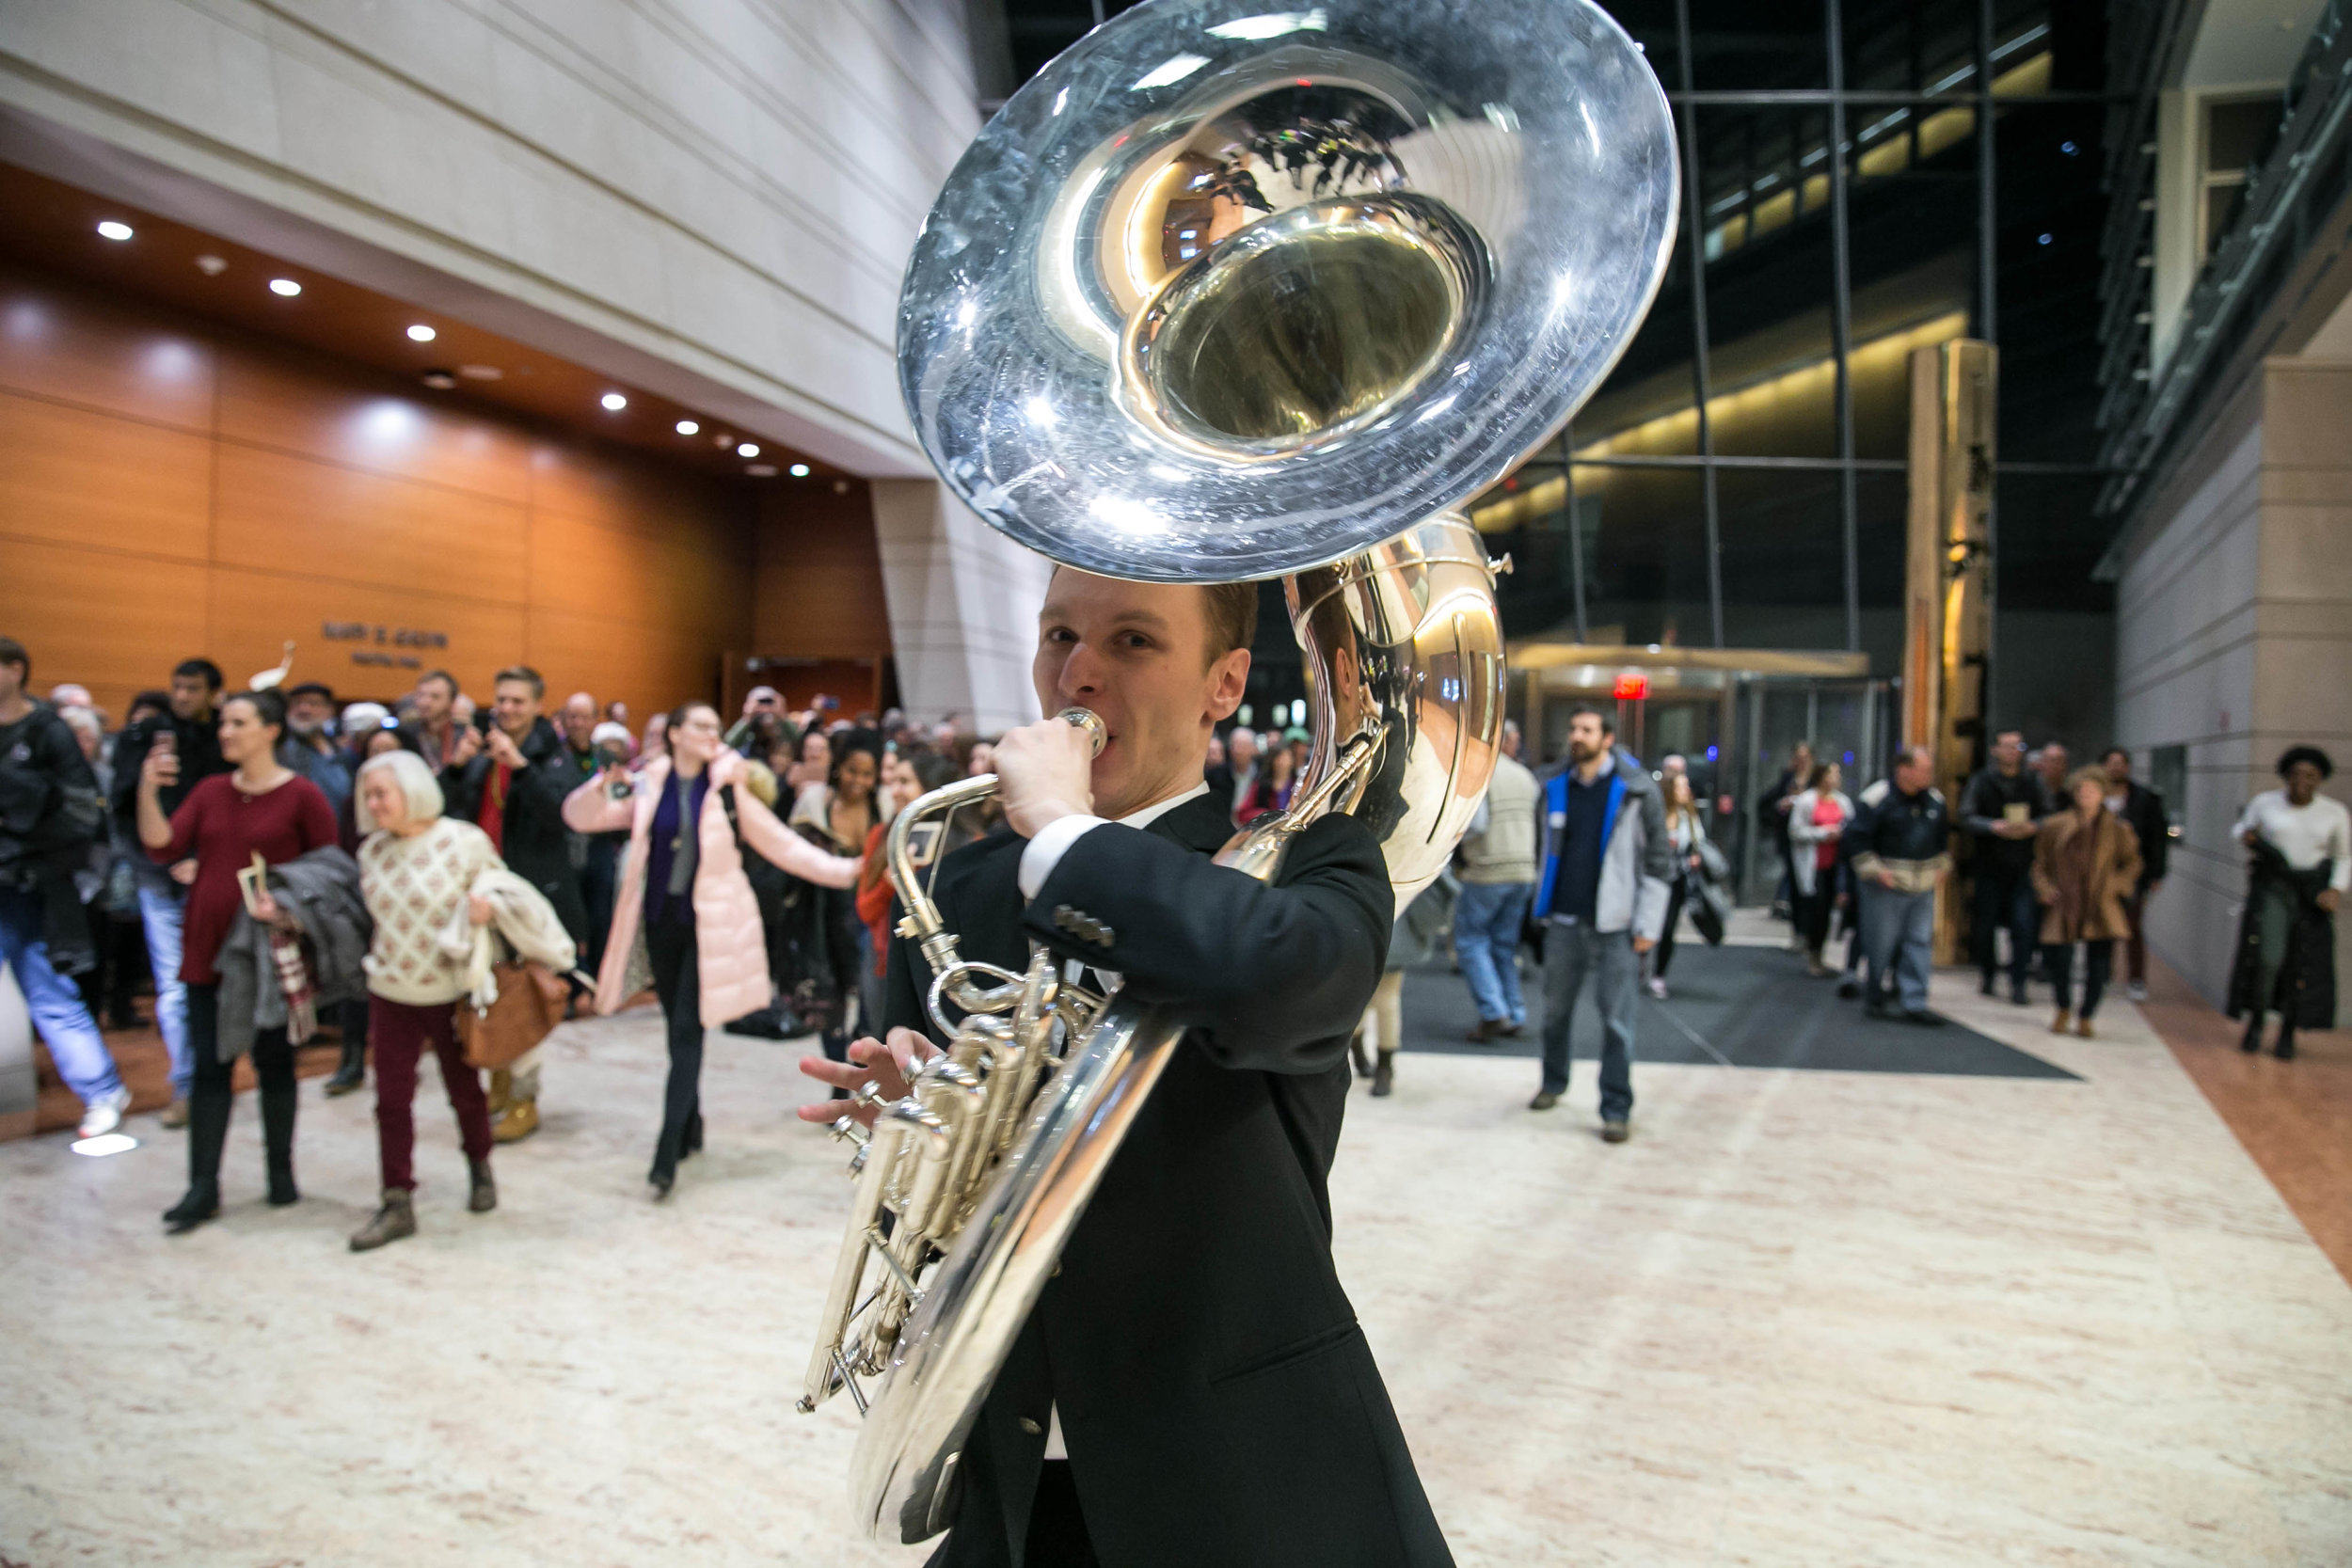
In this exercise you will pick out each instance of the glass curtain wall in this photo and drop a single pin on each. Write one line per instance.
(1738, 482)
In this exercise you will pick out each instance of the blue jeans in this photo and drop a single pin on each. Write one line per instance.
(1898, 934)
(55, 1003)
(163, 913)
(1487, 920)
(1570, 954)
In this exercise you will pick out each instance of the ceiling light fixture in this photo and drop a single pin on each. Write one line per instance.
(285, 287)
(748, 449)
(421, 334)
(761, 470)
(441, 381)
(113, 231)
(613, 402)
(211, 267)
(482, 372)
(799, 470)
(688, 427)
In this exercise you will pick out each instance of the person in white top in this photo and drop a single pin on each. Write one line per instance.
(2302, 863)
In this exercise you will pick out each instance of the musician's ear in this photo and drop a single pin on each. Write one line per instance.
(1227, 683)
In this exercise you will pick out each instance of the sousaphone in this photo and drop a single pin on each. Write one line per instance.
(1226, 293)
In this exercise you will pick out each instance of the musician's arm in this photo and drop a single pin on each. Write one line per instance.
(1277, 976)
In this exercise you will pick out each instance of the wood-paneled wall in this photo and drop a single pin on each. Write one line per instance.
(169, 487)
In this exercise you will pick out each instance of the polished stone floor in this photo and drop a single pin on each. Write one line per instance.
(1805, 1318)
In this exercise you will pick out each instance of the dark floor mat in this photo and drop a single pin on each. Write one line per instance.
(1734, 1006)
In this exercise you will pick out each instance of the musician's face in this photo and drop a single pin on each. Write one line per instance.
(1137, 655)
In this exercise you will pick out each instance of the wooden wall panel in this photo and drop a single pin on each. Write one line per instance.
(292, 401)
(253, 613)
(157, 500)
(79, 350)
(170, 488)
(291, 514)
(116, 623)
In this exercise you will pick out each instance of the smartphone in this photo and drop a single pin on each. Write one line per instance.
(482, 722)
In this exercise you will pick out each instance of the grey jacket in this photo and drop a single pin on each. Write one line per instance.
(321, 891)
(1504, 838)
(1637, 868)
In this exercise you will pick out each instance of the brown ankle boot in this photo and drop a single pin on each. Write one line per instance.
(397, 1219)
(521, 1122)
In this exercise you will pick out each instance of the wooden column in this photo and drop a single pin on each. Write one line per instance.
(1948, 623)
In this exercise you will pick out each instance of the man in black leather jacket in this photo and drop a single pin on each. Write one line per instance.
(1192, 1387)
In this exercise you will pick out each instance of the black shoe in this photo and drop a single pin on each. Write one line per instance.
(200, 1204)
(2284, 1050)
(482, 1189)
(1615, 1131)
(661, 1181)
(1987, 988)
(1848, 988)
(282, 1190)
(1384, 1076)
(2253, 1043)
(693, 1143)
(1876, 1007)
(1358, 1054)
(350, 1073)
(1921, 1017)
(2017, 994)
(1544, 1101)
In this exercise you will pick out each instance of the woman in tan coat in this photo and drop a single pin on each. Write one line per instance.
(2085, 863)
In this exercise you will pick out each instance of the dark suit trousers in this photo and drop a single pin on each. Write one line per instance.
(677, 981)
(2006, 899)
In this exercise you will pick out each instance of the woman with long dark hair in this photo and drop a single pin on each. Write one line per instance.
(260, 808)
(843, 817)
(684, 893)
(1277, 779)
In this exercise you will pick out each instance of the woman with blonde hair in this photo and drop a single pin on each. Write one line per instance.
(429, 881)
(1687, 832)
(2085, 863)
(1817, 820)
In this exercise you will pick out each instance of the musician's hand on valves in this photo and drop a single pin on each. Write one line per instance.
(1045, 772)
(886, 1066)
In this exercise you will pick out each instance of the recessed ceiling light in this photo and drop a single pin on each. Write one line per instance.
(688, 427)
(761, 470)
(748, 449)
(211, 267)
(113, 231)
(441, 381)
(421, 334)
(481, 372)
(285, 285)
(799, 470)
(613, 402)
(722, 440)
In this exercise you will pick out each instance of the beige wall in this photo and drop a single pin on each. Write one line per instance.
(2235, 634)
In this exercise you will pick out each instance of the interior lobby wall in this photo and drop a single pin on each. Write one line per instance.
(168, 487)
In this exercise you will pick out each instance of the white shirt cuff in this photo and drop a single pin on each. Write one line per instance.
(1046, 850)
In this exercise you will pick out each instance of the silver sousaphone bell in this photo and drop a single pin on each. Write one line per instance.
(1226, 293)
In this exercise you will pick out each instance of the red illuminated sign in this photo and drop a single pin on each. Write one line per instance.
(1631, 687)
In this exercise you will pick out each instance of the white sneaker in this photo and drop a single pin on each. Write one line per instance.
(2137, 990)
(1657, 989)
(104, 1113)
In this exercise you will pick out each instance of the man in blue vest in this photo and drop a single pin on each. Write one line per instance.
(1608, 872)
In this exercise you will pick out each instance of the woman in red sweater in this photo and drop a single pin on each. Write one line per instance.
(262, 808)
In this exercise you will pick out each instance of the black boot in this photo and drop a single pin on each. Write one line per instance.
(352, 1071)
(1355, 1052)
(1384, 1075)
(278, 1130)
(2253, 1041)
(198, 1204)
(482, 1190)
(693, 1143)
(2284, 1048)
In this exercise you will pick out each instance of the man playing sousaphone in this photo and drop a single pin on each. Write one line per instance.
(1192, 1387)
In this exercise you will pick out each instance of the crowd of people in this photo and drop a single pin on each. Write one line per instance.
(281, 867)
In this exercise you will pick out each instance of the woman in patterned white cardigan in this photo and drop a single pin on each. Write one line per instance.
(416, 867)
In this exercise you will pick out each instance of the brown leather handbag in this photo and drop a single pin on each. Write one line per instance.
(530, 1003)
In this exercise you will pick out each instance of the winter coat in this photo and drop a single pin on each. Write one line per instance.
(731, 944)
(1504, 841)
(521, 917)
(1637, 858)
(2306, 994)
(2083, 900)
(531, 840)
(50, 817)
(1805, 836)
(321, 891)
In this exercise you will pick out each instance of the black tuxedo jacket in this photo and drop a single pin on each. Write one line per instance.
(1219, 1402)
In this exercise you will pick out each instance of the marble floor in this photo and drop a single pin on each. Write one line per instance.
(1805, 1318)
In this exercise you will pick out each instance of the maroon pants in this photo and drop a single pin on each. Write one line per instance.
(400, 1034)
